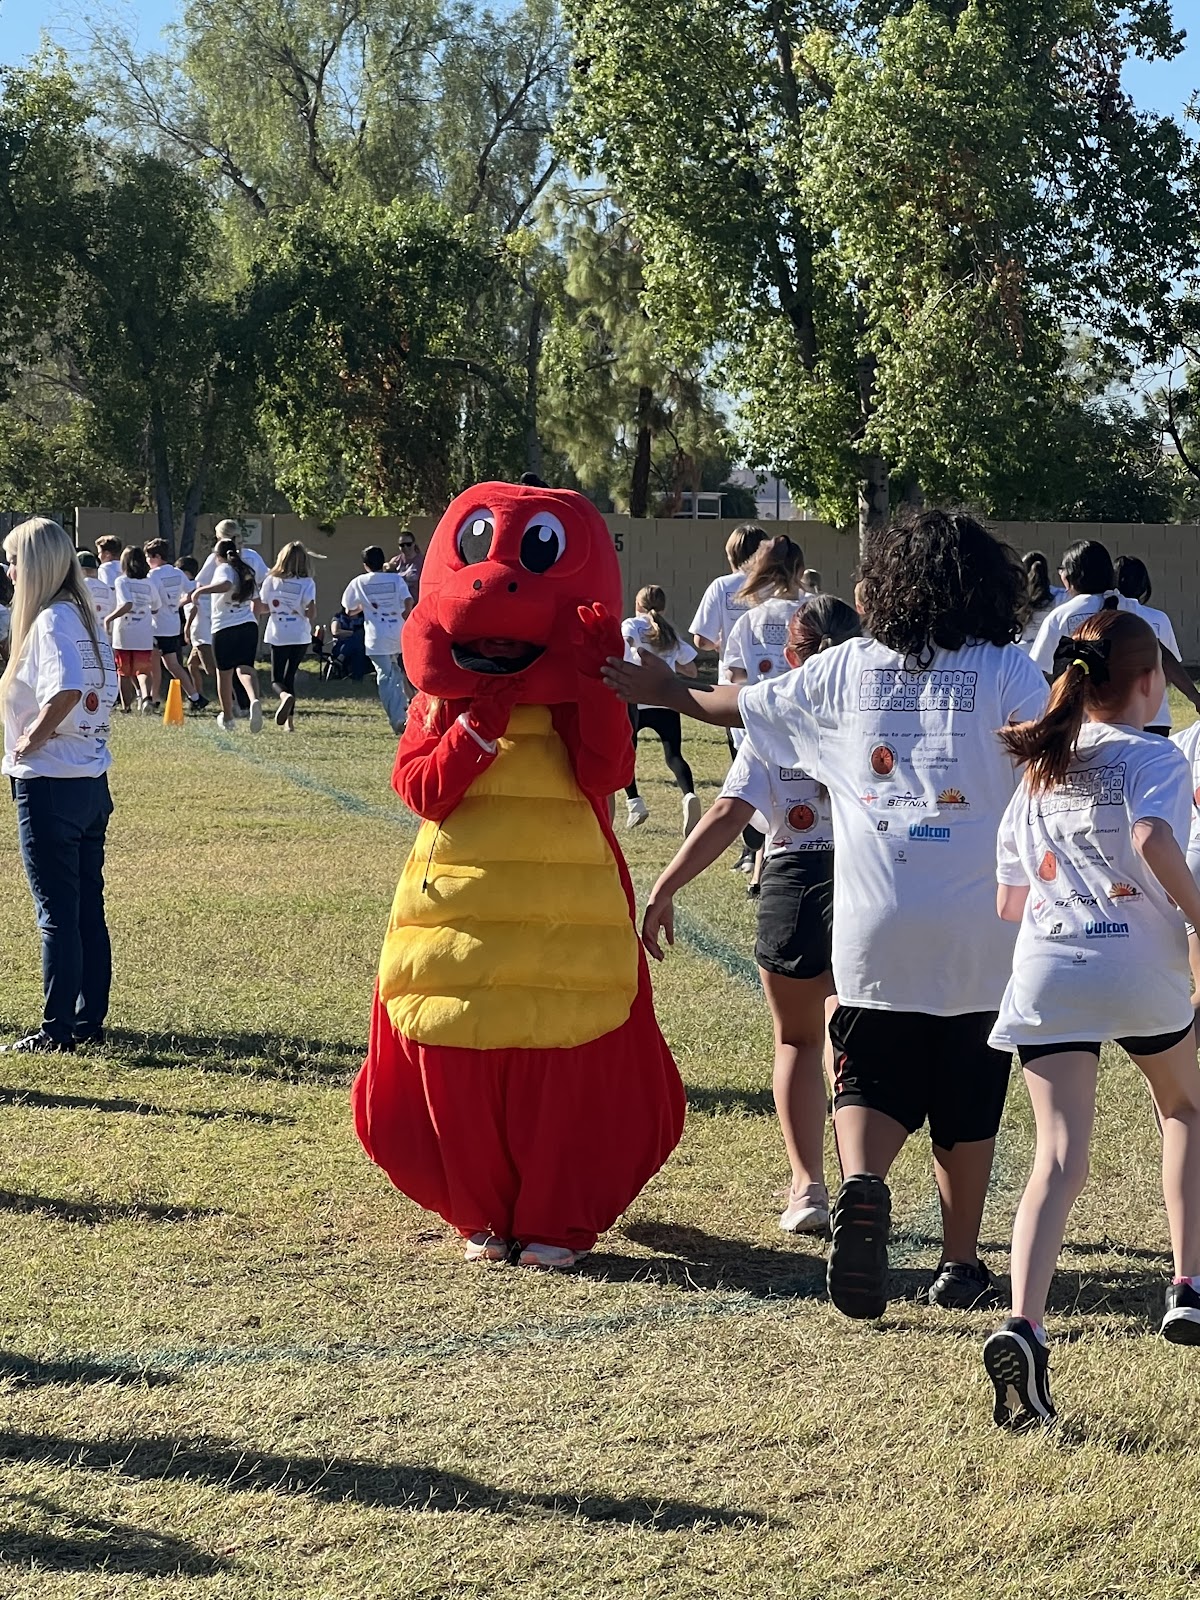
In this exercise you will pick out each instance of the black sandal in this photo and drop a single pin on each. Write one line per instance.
(858, 1262)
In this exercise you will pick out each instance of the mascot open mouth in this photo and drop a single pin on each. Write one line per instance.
(501, 657)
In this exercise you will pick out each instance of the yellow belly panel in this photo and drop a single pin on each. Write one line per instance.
(510, 928)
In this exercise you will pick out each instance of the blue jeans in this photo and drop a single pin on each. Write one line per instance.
(61, 823)
(392, 690)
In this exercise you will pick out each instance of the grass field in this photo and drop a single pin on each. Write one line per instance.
(235, 1363)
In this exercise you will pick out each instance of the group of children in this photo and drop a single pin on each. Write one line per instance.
(1013, 874)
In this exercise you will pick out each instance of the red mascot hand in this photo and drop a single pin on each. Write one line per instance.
(601, 639)
(489, 712)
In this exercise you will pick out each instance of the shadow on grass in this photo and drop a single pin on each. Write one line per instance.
(92, 1213)
(705, 1101)
(31, 1372)
(39, 1100)
(108, 1546)
(242, 1055)
(336, 1481)
(690, 1259)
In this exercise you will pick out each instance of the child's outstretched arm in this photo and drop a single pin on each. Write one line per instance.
(712, 835)
(653, 683)
(1158, 847)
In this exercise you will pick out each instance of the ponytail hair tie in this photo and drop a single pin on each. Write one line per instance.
(1089, 655)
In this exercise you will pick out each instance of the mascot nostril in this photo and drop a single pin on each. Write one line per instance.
(516, 1082)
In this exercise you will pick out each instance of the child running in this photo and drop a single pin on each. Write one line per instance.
(900, 727)
(774, 588)
(290, 597)
(235, 632)
(131, 624)
(1097, 832)
(648, 629)
(795, 918)
(170, 583)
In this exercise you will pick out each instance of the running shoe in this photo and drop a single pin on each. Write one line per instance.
(551, 1256)
(1181, 1320)
(961, 1286)
(692, 812)
(1018, 1364)
(198, 704)
(256, 716)
(745, 862)
(486, 1247)
(286, 706)
(858, 1261)
(38, 1044)
(753, 890)
(224, 723)
(638, 811)
(146, 707)
(806, 1212)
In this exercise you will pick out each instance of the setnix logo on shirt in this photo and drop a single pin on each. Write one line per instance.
(1106, 930)
(926, 831)
(907, 802)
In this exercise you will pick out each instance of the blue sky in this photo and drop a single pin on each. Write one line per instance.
(1161, 86)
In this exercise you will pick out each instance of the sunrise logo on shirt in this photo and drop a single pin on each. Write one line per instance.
(1123, 891)
(953, 797)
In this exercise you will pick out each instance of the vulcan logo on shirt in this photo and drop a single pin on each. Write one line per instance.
(926, 831)
(1106, 930)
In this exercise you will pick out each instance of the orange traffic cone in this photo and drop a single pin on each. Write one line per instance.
(173, 710)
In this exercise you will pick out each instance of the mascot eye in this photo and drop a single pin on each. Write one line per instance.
(475, 537)
(542, 543)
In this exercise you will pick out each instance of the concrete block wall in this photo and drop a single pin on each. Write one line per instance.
(683, 556)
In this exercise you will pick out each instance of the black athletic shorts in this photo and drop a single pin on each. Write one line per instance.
(170, 646)
(1151, 1044)
(795, 914)
(236, 646)
(916, 1068)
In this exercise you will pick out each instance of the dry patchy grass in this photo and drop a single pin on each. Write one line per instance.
(234, 1363)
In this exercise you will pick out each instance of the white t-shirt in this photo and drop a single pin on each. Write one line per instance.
(288, 599)
(1034, 626)
(255, 562)
(1188, 740)
(795, 808)
(227, 610)
(135, 630)
(381, 597)
(59, 654)
(918, 782)
(758, 639)
(108, 572)
(636, 633)
(168, 583)
(1064, 619)
(1102, 952)
(717, 613)
(104, 600)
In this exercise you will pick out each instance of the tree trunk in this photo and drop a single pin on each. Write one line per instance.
(161, 474)
(195, 494)
(872, 498)
(639, 486)
(534, 455)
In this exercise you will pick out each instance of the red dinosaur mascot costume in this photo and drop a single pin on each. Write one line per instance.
(517, 1081)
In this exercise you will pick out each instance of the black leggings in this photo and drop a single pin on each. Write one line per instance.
(666, 725)
(285, 658)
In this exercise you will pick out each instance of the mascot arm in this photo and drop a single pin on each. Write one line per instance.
(439, 758)
(597, 734)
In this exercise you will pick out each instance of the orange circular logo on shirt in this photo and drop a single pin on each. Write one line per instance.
(802, 818)
(883, 760)
(765, 666)
(1048, 870)
(91, 700)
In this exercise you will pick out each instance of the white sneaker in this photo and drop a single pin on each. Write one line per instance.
(224, 725)
(256, 716)
(486, 1247)
(553, 1256)
(807, 1212)
(692, 812)
(638, 812)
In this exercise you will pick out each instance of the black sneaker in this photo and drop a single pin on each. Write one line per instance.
(38, 1044)
(753, 890)
(858, 1262)
(961, 1286)
(1181, 1320)
(86, 1036)
(200, 703)
(745, 862)
(1018, 1364)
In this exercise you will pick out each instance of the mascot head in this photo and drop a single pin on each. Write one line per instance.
(503, 578)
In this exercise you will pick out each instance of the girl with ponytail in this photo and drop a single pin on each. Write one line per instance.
(795, 918)
(649, 631)
(1090, 862)
(774, 589)
(233, 588)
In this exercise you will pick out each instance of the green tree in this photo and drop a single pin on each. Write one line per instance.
(887, 214)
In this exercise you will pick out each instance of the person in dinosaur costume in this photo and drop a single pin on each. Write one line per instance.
(516, 1080)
